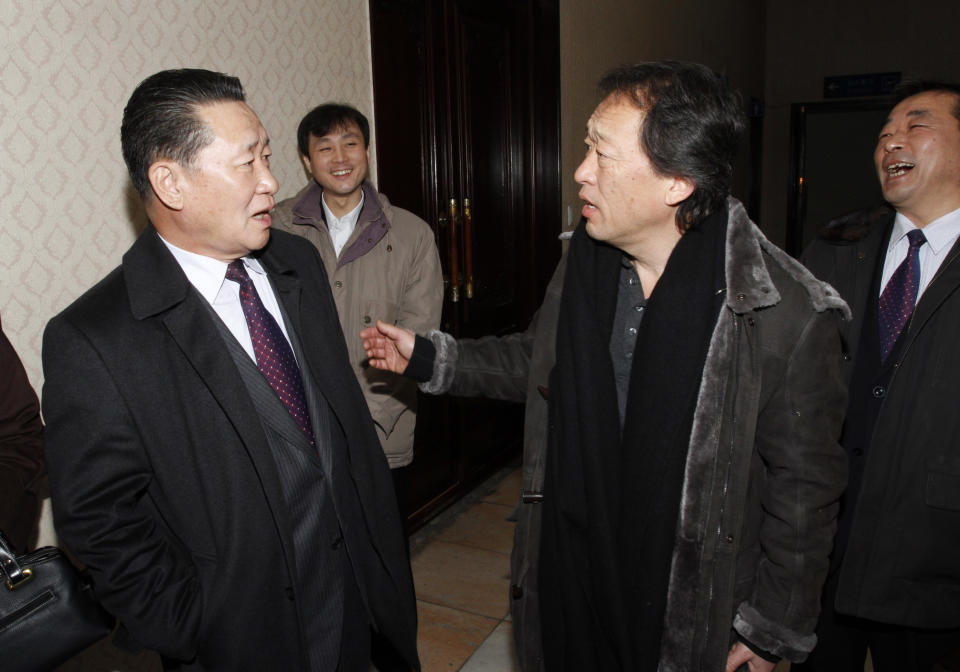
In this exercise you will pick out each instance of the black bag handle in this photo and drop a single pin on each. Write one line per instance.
(15, 575)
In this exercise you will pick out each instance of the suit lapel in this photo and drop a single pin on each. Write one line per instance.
(320, 336)
(159, 290)
(944, 284)
(869, 251)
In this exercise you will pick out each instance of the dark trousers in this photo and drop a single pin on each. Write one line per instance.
(401, 476)
(385, 657)
(842, 643)
(355, 643)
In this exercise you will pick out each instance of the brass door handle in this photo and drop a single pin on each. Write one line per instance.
(454, 254)
(468, 246)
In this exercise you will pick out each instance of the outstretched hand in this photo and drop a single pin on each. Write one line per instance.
(388, 347)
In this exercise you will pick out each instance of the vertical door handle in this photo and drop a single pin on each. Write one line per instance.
(454, 254)
(468, 246)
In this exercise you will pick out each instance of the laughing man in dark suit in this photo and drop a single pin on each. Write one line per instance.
(212, 460)
(894, 582)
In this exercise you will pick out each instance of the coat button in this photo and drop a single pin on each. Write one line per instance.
(288, 591)
(338, 284)
(516, 591)
(847, 357)
(741, 297)
(389, 248)
(729, 539)
(751, 321)
(366, 319)
(879, 391)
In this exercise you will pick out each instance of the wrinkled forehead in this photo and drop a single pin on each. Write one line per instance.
(615, 115)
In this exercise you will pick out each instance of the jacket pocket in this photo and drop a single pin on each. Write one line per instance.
(943, 483)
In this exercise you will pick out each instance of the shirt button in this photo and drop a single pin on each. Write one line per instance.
(338, 284)
(639, 309)
(879, 391)
(632, 331)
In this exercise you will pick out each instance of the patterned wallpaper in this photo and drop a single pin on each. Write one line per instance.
(67, 67)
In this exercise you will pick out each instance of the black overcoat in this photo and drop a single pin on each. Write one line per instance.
(902, 559)
(162, 479)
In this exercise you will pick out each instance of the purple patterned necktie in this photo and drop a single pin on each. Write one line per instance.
(274, 357)
(900, 295)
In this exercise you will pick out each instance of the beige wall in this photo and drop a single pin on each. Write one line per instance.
(66, 70)
(726, 35)
(808, 41)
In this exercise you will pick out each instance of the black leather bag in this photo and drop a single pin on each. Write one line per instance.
(47, 610)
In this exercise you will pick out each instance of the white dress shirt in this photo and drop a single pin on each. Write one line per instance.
(340, 228)
(208, 275)
(941, 234)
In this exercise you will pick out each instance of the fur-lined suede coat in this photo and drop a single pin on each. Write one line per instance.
(764, 470)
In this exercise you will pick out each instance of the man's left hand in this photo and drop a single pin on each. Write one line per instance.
(741, 654)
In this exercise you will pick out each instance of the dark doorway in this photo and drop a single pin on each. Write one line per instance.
(466, 96)
(831, 164)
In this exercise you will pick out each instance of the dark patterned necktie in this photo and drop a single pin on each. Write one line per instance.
(274, 357)
(900, 295)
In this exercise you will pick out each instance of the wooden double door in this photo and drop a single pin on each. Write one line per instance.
(466, 97)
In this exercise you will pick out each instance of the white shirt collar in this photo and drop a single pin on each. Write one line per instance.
(940, 233)
(348, 220)
(206, 273)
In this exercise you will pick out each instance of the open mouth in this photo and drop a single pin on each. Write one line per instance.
(899, 168)
(587, 203)
(341, 173)
(263, 216)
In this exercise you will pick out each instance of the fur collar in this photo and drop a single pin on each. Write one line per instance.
(749, 285)
(857, 225)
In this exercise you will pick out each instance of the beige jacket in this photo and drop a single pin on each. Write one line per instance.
(389, 270)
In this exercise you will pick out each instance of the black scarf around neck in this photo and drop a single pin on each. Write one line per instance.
(611, 498)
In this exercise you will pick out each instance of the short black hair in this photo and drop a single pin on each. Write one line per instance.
(330, 117)
(692, 125)
(914, 87)
(161, 121)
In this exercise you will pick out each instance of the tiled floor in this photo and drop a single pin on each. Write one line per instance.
(461, 569)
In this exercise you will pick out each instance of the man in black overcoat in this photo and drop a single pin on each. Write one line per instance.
(211, 457)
